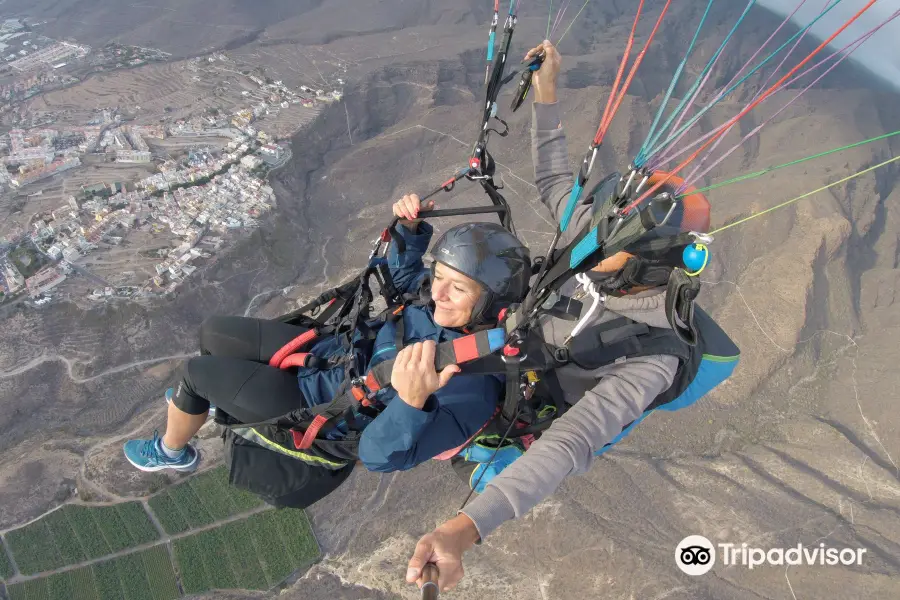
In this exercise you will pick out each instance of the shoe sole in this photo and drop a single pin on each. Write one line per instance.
(181, 469)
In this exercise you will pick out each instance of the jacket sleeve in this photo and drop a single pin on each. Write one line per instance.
(402, 437)
(553, 174)
(568, 446)
(407, 268)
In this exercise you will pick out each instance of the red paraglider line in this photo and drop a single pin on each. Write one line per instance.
(749, 107)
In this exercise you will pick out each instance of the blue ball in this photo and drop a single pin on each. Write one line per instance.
(695, 257)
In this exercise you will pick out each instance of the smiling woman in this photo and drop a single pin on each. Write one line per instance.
(479, 269)
(454, 295)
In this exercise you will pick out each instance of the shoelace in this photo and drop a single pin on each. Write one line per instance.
(149, 449)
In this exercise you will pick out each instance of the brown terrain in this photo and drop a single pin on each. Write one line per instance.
(802, 445)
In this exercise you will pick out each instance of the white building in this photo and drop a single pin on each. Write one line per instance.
(71, 254)
(251, 162)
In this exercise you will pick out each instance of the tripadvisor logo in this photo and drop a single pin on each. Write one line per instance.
(696, 555)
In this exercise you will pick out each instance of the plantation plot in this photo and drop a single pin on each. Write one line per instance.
(73, 534)
(33, 548)
(87, 531)
(60, 587)
(138, 523)
(168, 514)
(83, 584)
(36, 589)
(201, 501)
(133, 578)
(255, 553)
(146, 575)
(67, 544)
(107, 580)
(158, 567)
(6, 569)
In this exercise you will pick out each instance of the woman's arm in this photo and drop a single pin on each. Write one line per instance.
(407, 268)
(403, 436)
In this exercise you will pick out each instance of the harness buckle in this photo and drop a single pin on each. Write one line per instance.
(512, 355)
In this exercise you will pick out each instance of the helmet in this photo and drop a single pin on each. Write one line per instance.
(493, 257)
(656, 234)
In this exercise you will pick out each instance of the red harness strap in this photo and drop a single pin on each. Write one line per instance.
(305, 441)
(292, 346)
(295, 360)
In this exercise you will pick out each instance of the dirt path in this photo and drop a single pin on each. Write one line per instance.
(70, 363)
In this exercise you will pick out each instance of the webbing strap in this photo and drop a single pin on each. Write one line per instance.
(459, 351)
(292, 346)
(306, 441)
(295, 360)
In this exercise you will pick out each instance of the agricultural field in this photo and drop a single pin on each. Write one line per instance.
(75, 534)
(146, 575)
(6, 569)
(201, 501)
(255, 553)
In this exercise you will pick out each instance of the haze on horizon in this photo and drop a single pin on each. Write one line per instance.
(880, 54)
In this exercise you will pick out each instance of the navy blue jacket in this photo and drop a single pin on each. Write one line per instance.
(401, 436)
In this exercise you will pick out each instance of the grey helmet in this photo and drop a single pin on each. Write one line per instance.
(493, 257)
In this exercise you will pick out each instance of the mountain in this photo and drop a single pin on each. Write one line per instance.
(800, 446)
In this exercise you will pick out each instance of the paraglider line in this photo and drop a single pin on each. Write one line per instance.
(573, 22)
(806, 195)
(788, 164)
(750, 107)
(846, 51)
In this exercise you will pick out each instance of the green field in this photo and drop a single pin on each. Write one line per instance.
(6, 570)
(200, 501)
(254, 553)
(74, 534)
(146, 575)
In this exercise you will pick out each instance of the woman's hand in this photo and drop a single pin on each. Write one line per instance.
(544, 80)
(408, 207)
(414, 377)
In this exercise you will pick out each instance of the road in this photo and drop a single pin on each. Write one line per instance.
(69, 363)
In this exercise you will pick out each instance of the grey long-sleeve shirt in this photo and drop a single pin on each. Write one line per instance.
(605, 399)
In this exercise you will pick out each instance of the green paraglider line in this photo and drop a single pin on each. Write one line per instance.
(583, 6)
(788, 164)
(806, 195)
(549, 16)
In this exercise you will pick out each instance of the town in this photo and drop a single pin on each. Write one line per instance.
(197, 179)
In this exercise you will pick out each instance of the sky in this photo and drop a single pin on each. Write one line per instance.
(880, 54)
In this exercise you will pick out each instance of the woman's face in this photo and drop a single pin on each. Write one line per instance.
(454, 295)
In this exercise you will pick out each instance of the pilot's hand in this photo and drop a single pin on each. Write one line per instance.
(544, 80)
(445, 547)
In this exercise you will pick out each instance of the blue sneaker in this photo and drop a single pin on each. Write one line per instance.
(486, 471)
(148, 455)
(170, 393)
